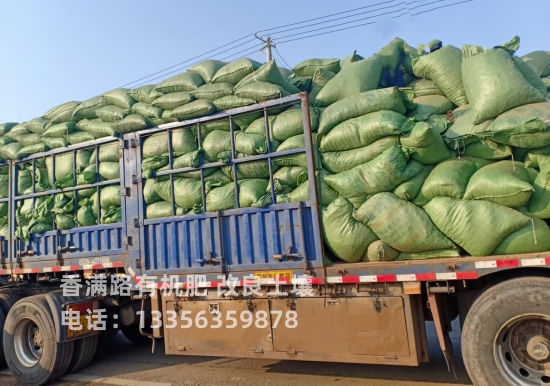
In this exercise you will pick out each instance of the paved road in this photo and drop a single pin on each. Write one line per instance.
(125, 364)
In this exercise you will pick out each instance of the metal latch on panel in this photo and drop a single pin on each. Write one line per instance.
(138, 222)
(289, 255)
(136, 179)
(127, 240)
(125, 192)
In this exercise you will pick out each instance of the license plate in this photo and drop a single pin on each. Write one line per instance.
(283, 275)
(85, 322)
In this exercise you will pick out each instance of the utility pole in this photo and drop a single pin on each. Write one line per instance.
(268, 44)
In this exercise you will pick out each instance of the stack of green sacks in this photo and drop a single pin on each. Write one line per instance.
(423, 155)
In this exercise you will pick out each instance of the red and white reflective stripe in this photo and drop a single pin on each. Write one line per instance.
(402, 278)
(63, 268)
(512, 263)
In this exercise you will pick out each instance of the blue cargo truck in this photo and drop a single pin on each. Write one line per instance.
(253, 282)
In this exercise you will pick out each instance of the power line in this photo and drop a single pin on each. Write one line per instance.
(370, 23)
(293, 36)
(443, 6)
(324, 17)
(341, 18)
(348, 22)
(281, 56)
(188, 60)
(181, 68)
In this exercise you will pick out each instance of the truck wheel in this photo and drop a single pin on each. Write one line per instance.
(506, 335)
(84, 352)
(32, 353)
(7, 300)
(133, 335)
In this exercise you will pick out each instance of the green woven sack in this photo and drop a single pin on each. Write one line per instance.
(475, 225)
(362, 131)
(408, 190)
(318, 81)
(223, 197)
(346, 237)
(431, 104)
(97, 128)
(539, 61)
(133, 122)
(496, 81)
(187, 192)
(207, 69)
(427, 144)
(215, 143)
(325, 194)
(291, 122)
(120, 98)
(146, 93)
(6, 127)
(60, 130)
(213, 91)
(232, 102)
(540, 199)
(10, 150)
(444, 67)
(533, 237)
(425, 87)
(109, 113)
(261, 91)
(488, 150)
(173, 100)
(361, 104)
(384, 173)
(401, 224)
(507, 183)
(354, 79)
(235, 71)
(182, 140)
(195, 109)
(87, 109)
(449, 179)
(354, 57)
(380, 251)
(37, 125)
(340, 161)
(309, 66)
(268, 73)
(61, 113)
(187, 81)
(146, 110)
(162, 209)
(525, 126)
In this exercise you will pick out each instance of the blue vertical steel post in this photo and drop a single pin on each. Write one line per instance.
(11, 211)
(97, 179)
(308, 141)
(233, 156)
(75, 193)
(269, 160)
(170, 165)
(201, 160)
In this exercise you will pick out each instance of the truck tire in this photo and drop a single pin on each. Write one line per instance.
(133, 335)
(506, 335)
(2, 356)
(84, 352)
(32, 353)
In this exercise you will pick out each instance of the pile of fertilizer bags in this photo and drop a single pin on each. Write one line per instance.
(426, 153)
(64, 209)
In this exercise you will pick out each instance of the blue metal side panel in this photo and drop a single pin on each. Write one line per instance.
(177, 244)
(266, 239)
(86, 242)
(276, 237)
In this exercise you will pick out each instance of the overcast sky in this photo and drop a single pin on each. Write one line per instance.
(56, 51)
